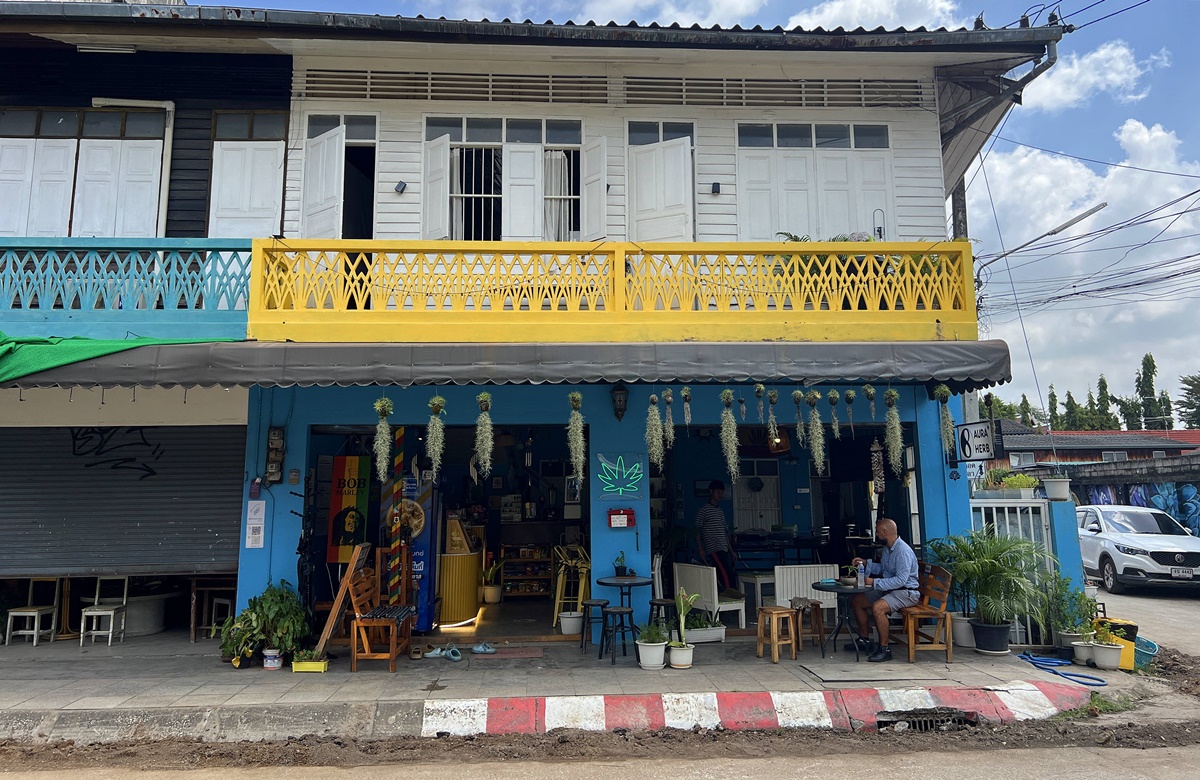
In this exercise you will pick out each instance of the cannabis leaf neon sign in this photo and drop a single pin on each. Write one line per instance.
(618, 479)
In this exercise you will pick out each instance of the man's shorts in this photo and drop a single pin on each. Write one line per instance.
(896, 599)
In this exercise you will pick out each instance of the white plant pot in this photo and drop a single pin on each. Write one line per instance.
(1057, 489)
(272, 660)
(1107, 656)
(491, 594)
(1083, 652)
(1068, 639)
(1091, 591)
(652, 655)
(681, 657)
(570, 622)
(964, 635)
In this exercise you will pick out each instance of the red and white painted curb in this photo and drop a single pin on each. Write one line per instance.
(845, 710)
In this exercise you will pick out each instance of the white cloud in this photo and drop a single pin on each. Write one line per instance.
(879, 13)
(1112, 69)
(1075, 341)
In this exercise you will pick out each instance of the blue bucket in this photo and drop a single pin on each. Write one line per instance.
(1144, 652)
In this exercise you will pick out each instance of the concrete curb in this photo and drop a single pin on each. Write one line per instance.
(844, 710)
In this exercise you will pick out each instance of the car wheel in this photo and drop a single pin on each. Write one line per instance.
(1109, 576)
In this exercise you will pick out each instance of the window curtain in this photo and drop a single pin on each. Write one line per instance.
(557, 183)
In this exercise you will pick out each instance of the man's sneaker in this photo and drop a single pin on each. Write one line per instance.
(884, 653)
(863, 644)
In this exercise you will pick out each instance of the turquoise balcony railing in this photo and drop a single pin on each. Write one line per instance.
(119, 287)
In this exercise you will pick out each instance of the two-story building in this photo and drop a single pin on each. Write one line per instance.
(260, 222)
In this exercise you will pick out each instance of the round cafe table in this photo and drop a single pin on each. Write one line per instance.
(843, 592)
(626, 586)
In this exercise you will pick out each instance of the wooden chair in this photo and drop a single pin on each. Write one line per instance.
(935, 592)
(93, 618)
(375, 624)
(34, 611)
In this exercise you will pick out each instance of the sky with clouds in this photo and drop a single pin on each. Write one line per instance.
(1122, 92)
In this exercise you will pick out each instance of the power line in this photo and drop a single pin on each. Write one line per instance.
(1114, 13)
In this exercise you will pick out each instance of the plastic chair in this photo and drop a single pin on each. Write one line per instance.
(33, 614)
(95, 615)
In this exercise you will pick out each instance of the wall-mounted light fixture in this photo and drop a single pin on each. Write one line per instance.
(716, 188)
(620, 400)
(401, 186)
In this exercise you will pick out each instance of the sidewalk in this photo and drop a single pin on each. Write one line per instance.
(162, 686)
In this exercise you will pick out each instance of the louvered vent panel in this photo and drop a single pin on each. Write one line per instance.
(389, 85)
(634, 90)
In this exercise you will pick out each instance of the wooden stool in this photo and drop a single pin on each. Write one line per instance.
(816, 624)
(617, 620)
(663, 611)
(776, 627)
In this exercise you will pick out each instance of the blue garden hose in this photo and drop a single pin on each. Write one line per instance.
(1054, 666)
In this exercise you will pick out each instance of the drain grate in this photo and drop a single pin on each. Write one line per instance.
(936, 719)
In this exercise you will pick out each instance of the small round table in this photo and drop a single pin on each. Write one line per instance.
(844, 592)
(626, 586)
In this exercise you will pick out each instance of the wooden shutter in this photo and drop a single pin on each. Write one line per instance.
(660, 195)
(246, 198)
(16, 183)
(321, 192)
(594, 194)
(435, 190)
(522, 201)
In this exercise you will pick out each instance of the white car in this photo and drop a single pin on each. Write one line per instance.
(1133, 545)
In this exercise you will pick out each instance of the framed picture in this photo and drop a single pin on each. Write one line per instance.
(573, 491)
(497, 483)
(700, 488)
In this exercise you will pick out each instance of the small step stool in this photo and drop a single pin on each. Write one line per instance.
(777, 627)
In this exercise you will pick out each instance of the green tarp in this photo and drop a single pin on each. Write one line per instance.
(22, 356)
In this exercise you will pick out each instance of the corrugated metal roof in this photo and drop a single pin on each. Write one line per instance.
(1092, 440)
(269, 22)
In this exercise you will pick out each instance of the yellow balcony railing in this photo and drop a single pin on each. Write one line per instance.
(445, 291)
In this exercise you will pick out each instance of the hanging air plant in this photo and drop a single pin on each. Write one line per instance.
(850, 396)
(575, 444)
(759, 391)
(877, 474)
(869, 392)
(834, 396)
(798, 398)
(729, 437)
(742, 408)
(893, 433)
(383, 438)
(654, 434)
(772, 424)
(669, 422)
(435, 433)
(941, 394)
(816, 431)
(686, 395)
(483, 436)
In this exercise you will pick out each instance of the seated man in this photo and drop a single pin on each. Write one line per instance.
(894, 585)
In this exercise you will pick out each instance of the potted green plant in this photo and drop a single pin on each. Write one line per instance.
(652, 646)
(491, 586)
(1106, 651)
(1071, 612)
(307, 661)
(948, 551)
(681, 651)
(703, 627)
(1003, 575)
(1058, 486)
(849, 576)
(619, 565)
(1021, 482)
(274, 622)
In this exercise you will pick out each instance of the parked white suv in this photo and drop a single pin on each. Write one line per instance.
(1134, 545)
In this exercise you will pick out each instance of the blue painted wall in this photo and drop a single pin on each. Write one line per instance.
(944, 501)
(1064, 531)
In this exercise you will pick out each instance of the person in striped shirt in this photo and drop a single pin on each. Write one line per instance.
(712, 535)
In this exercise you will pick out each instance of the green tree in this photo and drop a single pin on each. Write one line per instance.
(1155, 414)
(1071, 419)
(1026, 411)
(1108, 421)
(1164, 406)
(1189, 403)
(1001, 409)
(1052, 410)
(1131, 412)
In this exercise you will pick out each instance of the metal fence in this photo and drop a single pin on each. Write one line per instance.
(1026, 519)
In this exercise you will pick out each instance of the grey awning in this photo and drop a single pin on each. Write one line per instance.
(964, 365)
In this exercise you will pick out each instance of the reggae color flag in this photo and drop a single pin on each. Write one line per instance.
(350, 492)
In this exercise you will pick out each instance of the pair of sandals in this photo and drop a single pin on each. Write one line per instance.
(449, 651)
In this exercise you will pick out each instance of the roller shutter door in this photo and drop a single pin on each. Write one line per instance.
(129, 500)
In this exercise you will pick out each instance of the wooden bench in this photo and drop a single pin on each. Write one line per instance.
(376, 624)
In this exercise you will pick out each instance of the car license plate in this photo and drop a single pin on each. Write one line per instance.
(1178, 573)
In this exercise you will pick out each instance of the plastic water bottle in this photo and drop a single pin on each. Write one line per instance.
(862, 575)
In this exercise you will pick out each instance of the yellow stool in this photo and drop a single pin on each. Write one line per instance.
(776, 627)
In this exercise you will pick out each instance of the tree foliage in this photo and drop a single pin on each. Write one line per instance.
(1189, 403)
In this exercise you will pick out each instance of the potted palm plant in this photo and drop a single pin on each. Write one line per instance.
(491, 588)
(681, 651)
(652, 646)
(1003, 575)
(948, 551)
